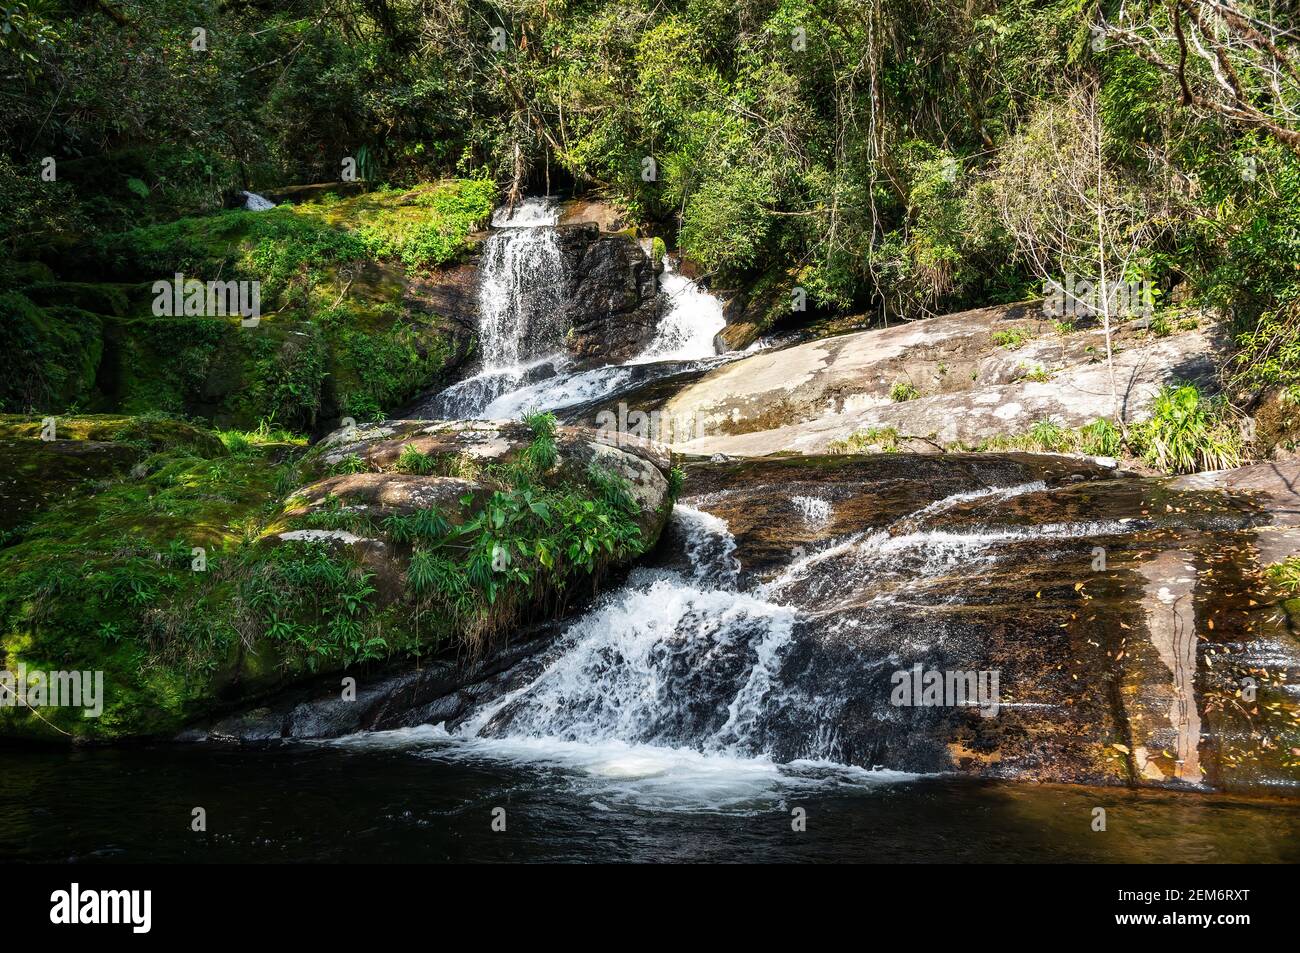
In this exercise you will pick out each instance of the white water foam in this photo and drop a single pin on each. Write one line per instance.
(815, 511)
(556, 393)
(530, 213)
(256, 203)
(521, 280)
(663, 694)
(687, 330)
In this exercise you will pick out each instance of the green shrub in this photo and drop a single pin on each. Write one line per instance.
(873, 439)
(903, 390)
(1011, 338)
(1286, 574)
(411, 460)
(1189, 431)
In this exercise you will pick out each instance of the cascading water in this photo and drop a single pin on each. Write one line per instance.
(689, 687)
(524, 364)
(521, 287)
(692, 321)
(256, 203)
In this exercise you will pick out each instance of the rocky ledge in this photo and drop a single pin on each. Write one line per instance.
(963, 378)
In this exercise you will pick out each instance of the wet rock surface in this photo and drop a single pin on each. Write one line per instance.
(1081, 624)
(1108, 628)
(435, 692)
(1126, 619)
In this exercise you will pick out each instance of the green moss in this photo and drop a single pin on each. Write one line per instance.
(153, 432)
(48, 356)
(96, 297)
(336, 337)
(106, 579)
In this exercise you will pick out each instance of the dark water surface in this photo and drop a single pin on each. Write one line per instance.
(331, 803)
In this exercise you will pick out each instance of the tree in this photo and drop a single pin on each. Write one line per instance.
(1082, 223)
(1231, 60)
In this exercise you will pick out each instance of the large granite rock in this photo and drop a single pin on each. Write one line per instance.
(973, 385)
(467, 445)
(1135, 637)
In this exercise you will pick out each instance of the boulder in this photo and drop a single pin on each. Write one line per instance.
(979, 374)
(612, 306)
(466, 446)
(86, 449)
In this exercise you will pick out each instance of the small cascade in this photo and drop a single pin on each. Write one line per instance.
(525, 365)
(671, 661)
(521, 287)
(691, 323)
(690, 660)
(256, 203)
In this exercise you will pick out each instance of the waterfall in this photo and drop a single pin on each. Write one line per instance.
(692, 320)
(697, 686)
(521, 287)
(256, 203)
(521, 339)
(684, 657)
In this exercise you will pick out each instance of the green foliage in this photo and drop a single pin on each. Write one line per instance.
(316, 605)
(676, 482)
(1037, 374)
(1189, 431)
(1286, 574)
(1101, 438)
(541, 453)
(903, 390)
(500, 555)
(871, 440)
(48, 356)
(1012, 338)
(351, 463)
(411, 460)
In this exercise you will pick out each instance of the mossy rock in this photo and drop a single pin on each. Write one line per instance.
(48, 355)
(756, 309)
(351, 322)
(96, 297)
(37, 474)
(148, 433)
(87, 451)
(105, 580)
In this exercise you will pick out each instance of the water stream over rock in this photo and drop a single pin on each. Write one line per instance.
(771, 639)
(525, 364)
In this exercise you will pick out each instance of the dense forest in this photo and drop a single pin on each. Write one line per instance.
(895, 158)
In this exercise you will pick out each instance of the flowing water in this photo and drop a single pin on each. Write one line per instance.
(743, 674)
(524, 365)
(692, 714)
(737, 680)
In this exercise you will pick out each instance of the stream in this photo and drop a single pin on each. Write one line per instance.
(739, 679)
